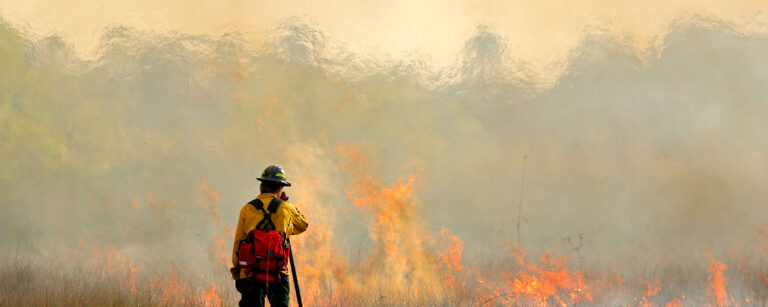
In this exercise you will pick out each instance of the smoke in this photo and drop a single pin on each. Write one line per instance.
(154, 146)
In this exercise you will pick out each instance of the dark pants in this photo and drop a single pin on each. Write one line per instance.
(252, 293)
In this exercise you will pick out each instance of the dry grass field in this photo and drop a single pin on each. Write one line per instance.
(26, 281)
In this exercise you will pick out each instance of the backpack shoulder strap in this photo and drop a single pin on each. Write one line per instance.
(274, 204)
(256, 203)
(266, 222)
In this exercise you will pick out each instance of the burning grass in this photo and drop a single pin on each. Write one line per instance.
(406, 264)
(521, 281)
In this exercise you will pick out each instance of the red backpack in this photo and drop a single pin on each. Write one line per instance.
(264, 252)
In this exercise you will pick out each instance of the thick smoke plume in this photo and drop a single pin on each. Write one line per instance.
(647, 175)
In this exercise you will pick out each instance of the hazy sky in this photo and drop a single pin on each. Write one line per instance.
(540, 33)
(650, 145)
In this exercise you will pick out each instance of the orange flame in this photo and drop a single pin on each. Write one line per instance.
(653, 289)
(717, 283)
(208, 297)
(551, 282)
(450, 258)
(399, 257)
(675, 302)
(403, 254)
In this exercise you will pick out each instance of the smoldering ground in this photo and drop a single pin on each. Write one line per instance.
(130, 169)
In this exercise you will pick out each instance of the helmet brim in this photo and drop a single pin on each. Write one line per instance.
(284, 183)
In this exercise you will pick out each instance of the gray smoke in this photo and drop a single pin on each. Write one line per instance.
(630, 161)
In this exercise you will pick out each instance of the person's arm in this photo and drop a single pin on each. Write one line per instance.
(238, 237)
(298, 222)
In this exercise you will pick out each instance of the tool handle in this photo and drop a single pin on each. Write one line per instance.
(295, 279)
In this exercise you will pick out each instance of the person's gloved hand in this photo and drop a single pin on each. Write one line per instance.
(235, 273)
(284, 196)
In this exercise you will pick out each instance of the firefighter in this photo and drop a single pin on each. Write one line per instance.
(286, 219)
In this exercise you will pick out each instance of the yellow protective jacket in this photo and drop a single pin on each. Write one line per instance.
(288, 221)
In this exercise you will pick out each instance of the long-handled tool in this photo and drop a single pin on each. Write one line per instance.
(295, 279)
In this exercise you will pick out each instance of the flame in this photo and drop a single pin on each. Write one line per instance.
(170, 287)
(718, 283)
(174, 285)
(406, 264)
(208, 297)
(400, 257)
(675, 302)
(450, 258)
(653, 289)
(222, 242)
(545, 284)
(321, 270)
(113, 262)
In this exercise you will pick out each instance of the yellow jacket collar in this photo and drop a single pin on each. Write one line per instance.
(265, 195)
